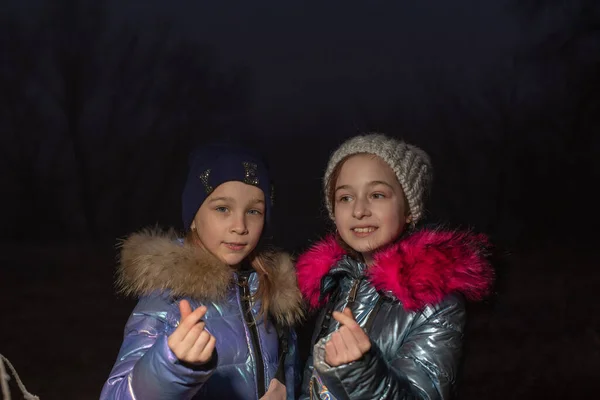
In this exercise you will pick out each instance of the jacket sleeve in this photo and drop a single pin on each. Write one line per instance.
(309, 367)
(146, 368)
(308, 372)
(424, 368)
(292, 367)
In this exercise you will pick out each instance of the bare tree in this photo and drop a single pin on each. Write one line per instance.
(24, 159)
(124, 107)
(565, 40)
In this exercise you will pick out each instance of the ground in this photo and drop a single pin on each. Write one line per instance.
(536, 337)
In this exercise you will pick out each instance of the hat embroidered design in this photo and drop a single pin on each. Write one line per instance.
(272, 194)
(250, 177)
(204, 178)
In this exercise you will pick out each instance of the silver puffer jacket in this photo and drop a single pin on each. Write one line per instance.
(411, 305)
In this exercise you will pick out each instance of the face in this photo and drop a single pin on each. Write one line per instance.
(230, 221)
(369, 204)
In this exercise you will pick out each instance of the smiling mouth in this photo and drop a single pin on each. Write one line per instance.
(235, 246)
(367, 229)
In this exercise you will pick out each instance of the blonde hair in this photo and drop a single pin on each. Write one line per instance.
(260, 262)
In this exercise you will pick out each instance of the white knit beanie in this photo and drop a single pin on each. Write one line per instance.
(411, 165)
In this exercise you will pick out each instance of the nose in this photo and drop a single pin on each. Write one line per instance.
(361, 209)
(239, 225)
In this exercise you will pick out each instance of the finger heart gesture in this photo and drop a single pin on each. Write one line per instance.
(349, 343)
(190, 342)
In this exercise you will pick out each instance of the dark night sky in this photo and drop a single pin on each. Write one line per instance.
(437, 72)
(337, 53)
(307, 54)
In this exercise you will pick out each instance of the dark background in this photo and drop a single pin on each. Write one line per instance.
(101, 101)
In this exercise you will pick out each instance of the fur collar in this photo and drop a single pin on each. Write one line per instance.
(418, 270)
(153, 260)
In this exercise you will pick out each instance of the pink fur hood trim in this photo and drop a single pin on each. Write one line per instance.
(418, 270)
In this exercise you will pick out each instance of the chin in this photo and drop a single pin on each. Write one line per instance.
(362, 246)
(366, 248)
(359, 246)
(233, 259)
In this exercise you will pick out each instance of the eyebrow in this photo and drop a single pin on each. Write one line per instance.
(215, 199)
(232, 200)
(372, 183)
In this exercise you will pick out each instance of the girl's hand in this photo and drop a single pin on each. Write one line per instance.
(190, 342)
(349, 343)
(276, 391)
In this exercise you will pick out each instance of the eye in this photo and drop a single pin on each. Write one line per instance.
(345, 198)
(255, 212)
(221, 209)
(378, 196)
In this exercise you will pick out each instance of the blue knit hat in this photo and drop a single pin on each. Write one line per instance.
(212, 165)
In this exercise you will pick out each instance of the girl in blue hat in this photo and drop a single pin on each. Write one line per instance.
(216, 307)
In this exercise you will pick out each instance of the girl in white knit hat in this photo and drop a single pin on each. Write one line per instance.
(390, 296)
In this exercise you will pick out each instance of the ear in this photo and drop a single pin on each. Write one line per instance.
(193, 226)
(409, 219)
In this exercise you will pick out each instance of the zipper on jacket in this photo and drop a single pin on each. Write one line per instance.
(353, 291)
(245, 298)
